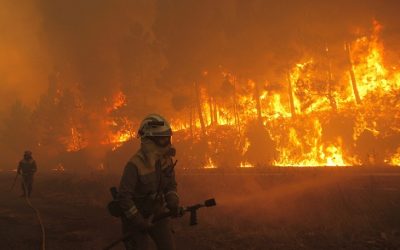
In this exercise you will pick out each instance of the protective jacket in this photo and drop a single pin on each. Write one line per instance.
(27, 167)
(146, 188)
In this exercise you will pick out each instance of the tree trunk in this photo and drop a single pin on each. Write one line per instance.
(191, 121)
(210, 103)
(235, 107)
(215, 111)
(352, 75)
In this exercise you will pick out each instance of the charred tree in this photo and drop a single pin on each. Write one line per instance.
(235, 107)
(331, 97)
(210, 103)
(215, 111)
(199, 110)
(352, 75)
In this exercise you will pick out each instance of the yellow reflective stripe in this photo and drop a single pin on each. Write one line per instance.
(131, 212)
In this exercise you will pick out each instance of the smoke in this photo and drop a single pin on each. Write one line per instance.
(24, 60)
(155, 51)
(86, 41)
(255, 39)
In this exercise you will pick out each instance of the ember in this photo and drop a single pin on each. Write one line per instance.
(59, 169)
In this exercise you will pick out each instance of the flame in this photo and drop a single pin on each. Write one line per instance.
(395, 159)
(76, 141)
(246, 165)
(210, 164)
(245, 146)
(116, 137)
(118, 102)
(122, 128)
(371, 74)
(333, 156)
(300, 140)
(309, 150)
(59, 168)
(294, 115)
(279, 110)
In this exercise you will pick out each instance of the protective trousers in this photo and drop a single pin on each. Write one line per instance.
(27, 183)
(161, 233)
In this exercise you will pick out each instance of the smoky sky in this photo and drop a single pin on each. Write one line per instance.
(23, 60)
(103, 45)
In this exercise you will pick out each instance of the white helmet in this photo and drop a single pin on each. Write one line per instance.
(154, 125)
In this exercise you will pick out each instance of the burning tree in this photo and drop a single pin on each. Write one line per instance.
(242, 82)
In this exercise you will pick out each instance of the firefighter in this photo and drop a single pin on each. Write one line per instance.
(27, 168)
(148, 187)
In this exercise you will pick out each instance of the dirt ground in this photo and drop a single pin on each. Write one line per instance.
(322, 208)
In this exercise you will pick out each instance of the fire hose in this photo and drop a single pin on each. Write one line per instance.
(193, 219)
(15, 181)
(43, 245)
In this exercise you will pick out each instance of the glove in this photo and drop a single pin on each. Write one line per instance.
(172, 200)
(177, 211)
(141, 223)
